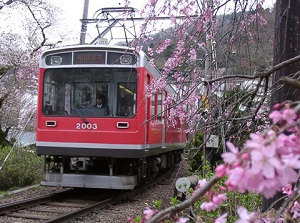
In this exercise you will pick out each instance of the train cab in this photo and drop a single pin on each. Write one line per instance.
(113, 144)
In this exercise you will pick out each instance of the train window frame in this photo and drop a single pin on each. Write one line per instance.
(68, 78)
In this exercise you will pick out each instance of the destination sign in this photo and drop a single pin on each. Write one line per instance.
(91, 57)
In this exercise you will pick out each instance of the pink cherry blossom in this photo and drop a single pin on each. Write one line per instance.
(237, 179)
(276, 116)
(295, 210)
(289, 115)
(208, 206)
(265, 163)
(148, 213)
(230, 157)
(221, 170)
(246, 217)
(193, 55)
(182, 220)
(219, 199)
(287, 190)
(222, 219)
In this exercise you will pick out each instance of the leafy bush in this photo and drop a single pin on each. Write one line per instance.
(22, 168)
(196, 155)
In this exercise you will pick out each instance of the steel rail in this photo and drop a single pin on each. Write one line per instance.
(7, 208)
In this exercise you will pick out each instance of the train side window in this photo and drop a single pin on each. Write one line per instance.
(159, 105)
(153, 106)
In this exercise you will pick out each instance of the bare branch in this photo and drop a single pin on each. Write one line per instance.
(278, 67)
(9, 2)
(290, 82)
(40, 27)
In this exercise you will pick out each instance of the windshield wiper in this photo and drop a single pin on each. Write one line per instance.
(81, 116)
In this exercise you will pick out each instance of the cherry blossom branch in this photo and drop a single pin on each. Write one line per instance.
(185, 204)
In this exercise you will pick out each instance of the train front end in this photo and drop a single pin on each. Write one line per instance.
(85, 144)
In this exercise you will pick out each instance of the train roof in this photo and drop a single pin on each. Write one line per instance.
(89, 47)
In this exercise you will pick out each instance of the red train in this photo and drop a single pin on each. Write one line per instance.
(120, 145)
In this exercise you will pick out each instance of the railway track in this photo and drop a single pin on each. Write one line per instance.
(63, 206)
(67, 205)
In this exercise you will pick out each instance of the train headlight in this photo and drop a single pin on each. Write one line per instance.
(56, 60)
(126, 59)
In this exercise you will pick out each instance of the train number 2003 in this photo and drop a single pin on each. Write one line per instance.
(86, 126)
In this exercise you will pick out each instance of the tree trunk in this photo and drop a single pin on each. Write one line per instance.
(3, 134)
(286, 46)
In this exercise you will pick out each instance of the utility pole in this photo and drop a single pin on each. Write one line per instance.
(286, 46)
(207, 76)
(84, 22)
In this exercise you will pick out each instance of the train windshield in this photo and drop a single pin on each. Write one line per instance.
(90, 92)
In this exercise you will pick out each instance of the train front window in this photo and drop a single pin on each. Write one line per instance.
(77, 92)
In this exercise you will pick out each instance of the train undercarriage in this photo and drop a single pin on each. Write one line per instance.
(105, 172)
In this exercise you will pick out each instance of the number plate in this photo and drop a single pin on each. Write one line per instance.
(93, 126)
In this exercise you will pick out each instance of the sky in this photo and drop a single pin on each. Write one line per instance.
(72, 11)
(68, 28)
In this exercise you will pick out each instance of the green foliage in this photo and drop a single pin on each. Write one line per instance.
(198, 139)
(3, 133)
(22, 168)
(137, 218)
(174, 201)
(157, 204)
(196, 154)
